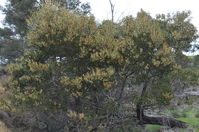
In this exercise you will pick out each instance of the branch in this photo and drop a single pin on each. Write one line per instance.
(122, 89)
(112, 10)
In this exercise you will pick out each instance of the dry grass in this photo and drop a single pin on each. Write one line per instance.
(2, 81)
(3, 127)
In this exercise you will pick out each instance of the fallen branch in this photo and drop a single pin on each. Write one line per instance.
(170, 122)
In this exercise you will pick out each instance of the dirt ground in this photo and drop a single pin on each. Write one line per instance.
(3, 127)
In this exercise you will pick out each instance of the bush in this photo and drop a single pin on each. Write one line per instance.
(176, 114)
(197, 115)
(184, 114)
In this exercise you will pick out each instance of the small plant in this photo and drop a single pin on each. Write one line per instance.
(197, 115)
(176, 114)
(154, 127)
(184, 114)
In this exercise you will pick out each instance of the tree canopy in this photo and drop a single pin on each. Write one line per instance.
(13, 35)
(92, 71)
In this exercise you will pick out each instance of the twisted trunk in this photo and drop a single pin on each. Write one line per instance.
(139, 106)
(143, 119)
(164, 122)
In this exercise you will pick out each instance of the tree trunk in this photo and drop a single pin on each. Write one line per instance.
(140, 113)
(139, 106)
(122, 90)
(164, 121)
(77, 104)
(155, 120)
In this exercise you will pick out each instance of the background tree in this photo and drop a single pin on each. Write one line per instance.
(92, 71)
(13, 36)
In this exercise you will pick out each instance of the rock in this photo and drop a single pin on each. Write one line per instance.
(42, 125)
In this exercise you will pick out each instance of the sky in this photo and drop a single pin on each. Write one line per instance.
(2, 2)
(101, 8)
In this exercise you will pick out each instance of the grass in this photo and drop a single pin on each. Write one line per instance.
(191, 113)
(188, 115)
(190, 121)
(196, 129)
(191, 118)
(153, 127)
(191, 57)
(193, 122)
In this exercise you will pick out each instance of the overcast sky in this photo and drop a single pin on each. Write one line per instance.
(2, 2)
(101, 8)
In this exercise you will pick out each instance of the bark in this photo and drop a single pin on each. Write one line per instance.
(156, 120)
(139, 106)
(122, 90)
(112, 10)
(170, 122)
(77, 104)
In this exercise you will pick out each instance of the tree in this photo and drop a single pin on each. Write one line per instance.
(9, 46)
(89, 70)
(158, 47)
(17, 11)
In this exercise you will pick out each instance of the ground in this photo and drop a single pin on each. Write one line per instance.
(185, 112)
(3, 127)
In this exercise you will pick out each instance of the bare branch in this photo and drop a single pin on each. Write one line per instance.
(112, 10)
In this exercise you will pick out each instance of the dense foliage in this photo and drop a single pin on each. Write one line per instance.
(13, 34)
(99, 74)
